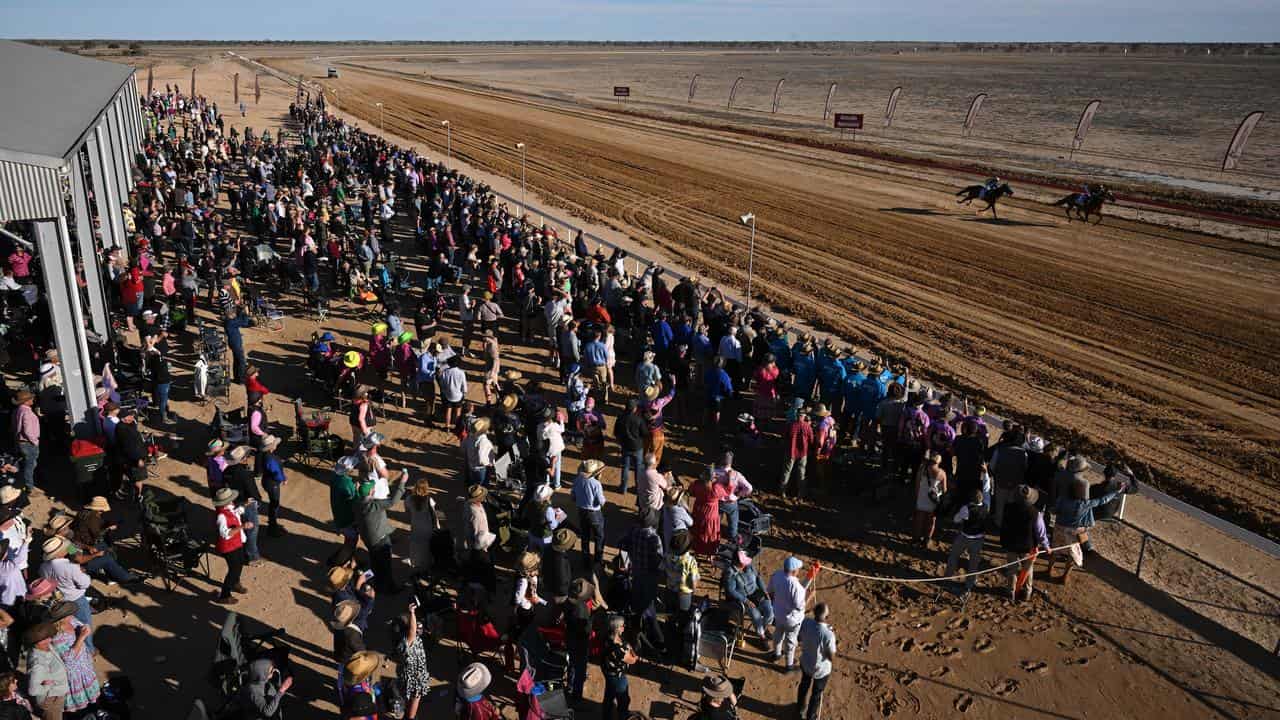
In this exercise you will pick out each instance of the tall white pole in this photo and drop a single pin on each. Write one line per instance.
(382, 127)
(520, 146)
(751, 260)
(448, 143)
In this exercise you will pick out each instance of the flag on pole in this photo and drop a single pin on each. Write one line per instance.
(193, 82)
(235, 84)
(257, 90)
(151, 78)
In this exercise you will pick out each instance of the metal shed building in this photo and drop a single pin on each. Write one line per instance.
(68, 125)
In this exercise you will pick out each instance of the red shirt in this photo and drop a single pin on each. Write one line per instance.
(253, 385)
(799, 438)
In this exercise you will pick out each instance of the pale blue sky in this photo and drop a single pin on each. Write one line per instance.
(929, 20)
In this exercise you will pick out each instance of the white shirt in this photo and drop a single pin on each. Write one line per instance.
(19, 537)
(553, 433)
(788, 599)
(377, 476)
(730, 348)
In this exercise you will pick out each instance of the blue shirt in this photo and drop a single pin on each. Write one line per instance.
(662, 335)
(587, 492)
(595, 354)
(719, 386)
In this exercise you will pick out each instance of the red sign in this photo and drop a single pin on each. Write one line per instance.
(849, 121)
(621, 91)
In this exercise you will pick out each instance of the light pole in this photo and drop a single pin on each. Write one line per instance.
(520, 147)
(448, 143)
(382, 128)
(750, 219)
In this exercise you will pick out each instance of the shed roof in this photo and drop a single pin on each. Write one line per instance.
(48, 98)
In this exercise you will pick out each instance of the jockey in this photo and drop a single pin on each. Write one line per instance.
(990, 185)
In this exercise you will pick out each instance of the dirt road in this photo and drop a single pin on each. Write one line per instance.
(1160, 341)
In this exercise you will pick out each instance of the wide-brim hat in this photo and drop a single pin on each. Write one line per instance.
(214, 446)
(675, 495)
(351, 359)
(379, 328)
(238, 453)
(650, 392)
(680, 543)
(562, 540)
(473, 680)
(98, 503)
(339, 577)
(582, 589)
(1028, 494)
(55, 547)
(362, 665)
(345, 464)
(372, 440)
(58, 523)
(528, 563)
(40, 633)
(717, 687)
(40, 588)
(61, 611)
(225, 496)
(508, 402)
(592, 467)
(8, 494)
(345, 611)
(821, 411)
(477, 492)
(270, 442)
(405, 337)
(543, 492)
(480, 425)
(1078, 464)
(512, 375)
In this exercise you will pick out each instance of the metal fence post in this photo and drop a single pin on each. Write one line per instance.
(1142, 553)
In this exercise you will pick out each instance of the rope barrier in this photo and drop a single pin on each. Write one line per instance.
(882, 578)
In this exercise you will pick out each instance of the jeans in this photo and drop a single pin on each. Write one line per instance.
(162, 400)
(273, 501)
(972, 547)
(817, 685)
(251, 535)
(592, 526)
(84, 613)
(30, 456)
(798, 464)
(761, 614)
(631, 461)
(730, 510)
(553, 464)
(109, 566)
(617, 698)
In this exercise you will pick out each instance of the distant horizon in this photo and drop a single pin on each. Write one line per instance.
(923, 21)
(570, 41)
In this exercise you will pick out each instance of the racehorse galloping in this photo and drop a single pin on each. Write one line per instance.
(1087, 203)
(986, 193)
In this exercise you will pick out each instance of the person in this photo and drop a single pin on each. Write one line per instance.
(799, 440)
(1023, 533)
(788, 596)
(617, 656)
(240, 478)
(718, 701)
(91, 538)
(73, 646)
(931, 484)
(131, 452)
(348, 628)
(375, 531)
(675, 514)
(738, 488)
(47, 681)
(744, 585)
(261, 696)
(557, 574)
(817, 649)
(595, 365)
(591, 425)
(412, 672)
(343, 491)
(229, 543)
(11, 698)
(161, 379)
(215, 465)
(359, 694)
(479, 451)
(526, 597)
(551, 431)
(766, 382)
(475, 520)
(577, 636)
(650, 491)
(1008, 467)
(630, 432)
(453, 389)
(361, 416)
(26, 436)
(588, 496)
(71, 580)
(273, 481)
(682, 573)
(825, 438)
(719, 388)
(1073, 516)
(707, 494)
(990, 185)
(423, 521)
(471, 702)
(970, 536)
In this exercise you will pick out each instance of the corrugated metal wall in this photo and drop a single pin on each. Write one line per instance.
(29, 191)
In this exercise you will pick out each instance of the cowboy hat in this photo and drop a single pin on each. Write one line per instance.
(480, 425)
(345, 464)
(512, 375)
(592, 467)
(55, 547)
(650, 392)
(40, 633)
(351, 359)
(238, 454)
(582, 589)
(528, 563)
(362, 665)
(1028, 494)
(543, 492)
(562, 540)
(215, 446)
(508, 402)
(473, 680)
(58, 523)
(372, 440)
(1078, 464)
(270, 442)
(477, 492)
(716, 687)
(339, 577)
(379, 328)
(821, 411)
(680, 543)
(98, 503)
(40, 588)
(62, 611)
(675, 495)
(224, 496)
(344, 612)
(405, 337)
(8, 494)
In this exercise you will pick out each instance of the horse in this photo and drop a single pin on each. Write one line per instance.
(1086, 204)
(990, 197)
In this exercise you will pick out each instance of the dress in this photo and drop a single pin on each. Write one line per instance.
(82, 681)
(766, 391)
(415, 678)
(706, 516)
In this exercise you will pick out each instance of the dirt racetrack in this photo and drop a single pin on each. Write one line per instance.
(1159, 341)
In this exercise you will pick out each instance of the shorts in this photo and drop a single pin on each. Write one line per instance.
(453, 404)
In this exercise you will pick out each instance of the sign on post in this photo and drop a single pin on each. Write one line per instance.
(848, 121)
(621, 91)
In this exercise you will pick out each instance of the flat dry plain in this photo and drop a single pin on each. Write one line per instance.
(1160, 341)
